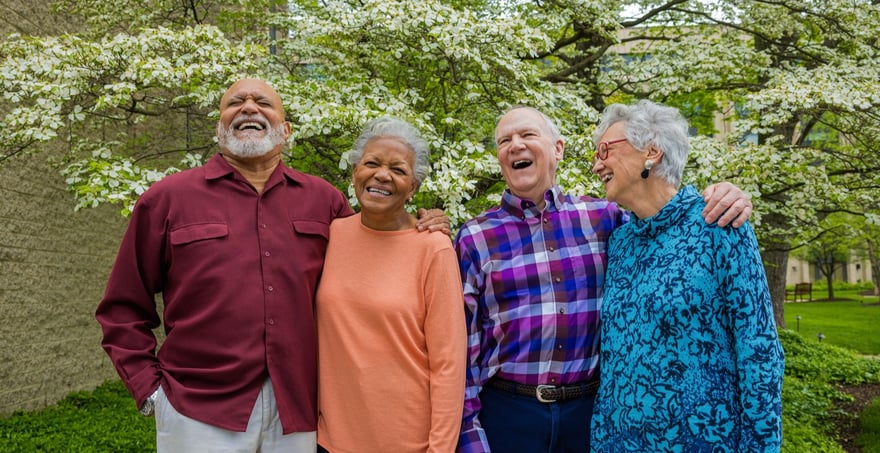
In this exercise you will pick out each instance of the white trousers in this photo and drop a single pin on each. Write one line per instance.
(176, 432)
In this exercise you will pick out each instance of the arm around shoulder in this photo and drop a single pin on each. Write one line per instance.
(726, 204)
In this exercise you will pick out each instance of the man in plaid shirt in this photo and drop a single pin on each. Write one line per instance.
(533, 271)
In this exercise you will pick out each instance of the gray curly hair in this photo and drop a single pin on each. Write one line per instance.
(390, 126)
(647, 123)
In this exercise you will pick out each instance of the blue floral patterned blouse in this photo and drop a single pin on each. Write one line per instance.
(690, 359)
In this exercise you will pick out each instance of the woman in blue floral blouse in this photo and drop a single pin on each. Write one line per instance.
(690, 356)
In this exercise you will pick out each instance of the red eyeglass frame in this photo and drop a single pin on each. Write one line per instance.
(602, 148)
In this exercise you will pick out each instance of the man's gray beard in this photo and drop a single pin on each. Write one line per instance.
(250, 147)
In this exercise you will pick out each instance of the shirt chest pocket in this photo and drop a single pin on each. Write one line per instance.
(188, 234)
(310, 239)
(311, 229)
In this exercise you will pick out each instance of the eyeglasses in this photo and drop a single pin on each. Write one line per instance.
(602, 149)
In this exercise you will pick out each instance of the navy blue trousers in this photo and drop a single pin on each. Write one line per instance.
(521, 424)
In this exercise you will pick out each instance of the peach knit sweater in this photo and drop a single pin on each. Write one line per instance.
(391, 341)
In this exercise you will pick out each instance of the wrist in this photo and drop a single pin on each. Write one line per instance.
(149, 406)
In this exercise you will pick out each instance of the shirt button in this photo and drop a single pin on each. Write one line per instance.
(559, 346)
(270, 289)
(263, 226)
(561, 311)
(271, 321)
(557, 279)
(552, 249)
(552, 380)
(268, 254)
(546, 220)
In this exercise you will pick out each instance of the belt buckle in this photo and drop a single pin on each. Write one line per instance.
(538, 393)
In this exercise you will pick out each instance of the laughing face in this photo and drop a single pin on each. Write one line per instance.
(621, 169)
(384, 179)
(528, 153)
(251, 120)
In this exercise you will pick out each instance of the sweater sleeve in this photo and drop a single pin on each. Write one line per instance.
(445, 338)
(759, 355)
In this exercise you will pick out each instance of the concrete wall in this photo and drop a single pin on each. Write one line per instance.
(54, 263)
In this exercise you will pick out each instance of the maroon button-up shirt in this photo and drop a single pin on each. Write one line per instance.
(237, 271)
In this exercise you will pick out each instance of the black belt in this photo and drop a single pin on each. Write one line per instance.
(547, 393)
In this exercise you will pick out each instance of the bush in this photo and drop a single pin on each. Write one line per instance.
(869, 439)
(802, 438)
(822, 285)
(823, 362)
(808, 394)
(104, 420)
(806, 412)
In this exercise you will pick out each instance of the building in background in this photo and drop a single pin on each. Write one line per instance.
(857, 270)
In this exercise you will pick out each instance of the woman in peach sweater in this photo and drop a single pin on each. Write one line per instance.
(391, 332)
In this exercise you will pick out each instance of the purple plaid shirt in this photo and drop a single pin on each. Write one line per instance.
(533, 283)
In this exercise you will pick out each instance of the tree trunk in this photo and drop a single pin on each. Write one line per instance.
(875, 266)
(775, 266)
(828, 278)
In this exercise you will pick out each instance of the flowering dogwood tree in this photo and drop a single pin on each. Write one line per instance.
(800, 84)
(133, 93)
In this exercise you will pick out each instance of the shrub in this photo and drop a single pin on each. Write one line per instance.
(823, 362)
(104, 420)
(822, 285)
(869, 439)
(808, 394)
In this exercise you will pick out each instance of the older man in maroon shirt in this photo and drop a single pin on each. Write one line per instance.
(235, 248)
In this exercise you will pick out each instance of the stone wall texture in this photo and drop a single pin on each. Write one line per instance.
(54, 263)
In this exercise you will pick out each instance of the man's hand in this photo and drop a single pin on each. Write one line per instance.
(433, 220)
(149, 407)
(726, 204)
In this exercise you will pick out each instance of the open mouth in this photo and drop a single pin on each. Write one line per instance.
(249, 124)
(520, 164)
(378, 191)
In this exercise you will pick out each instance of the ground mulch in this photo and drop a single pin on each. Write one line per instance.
(847, 426)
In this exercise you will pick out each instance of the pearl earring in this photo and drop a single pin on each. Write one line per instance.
(649, 164)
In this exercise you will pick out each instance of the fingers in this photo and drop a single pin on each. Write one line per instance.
(726, 204)
(736, 215)
(446, 229)
(716, 206)
(744, 216)
(433, 220)
(732, 208)
(422, 219)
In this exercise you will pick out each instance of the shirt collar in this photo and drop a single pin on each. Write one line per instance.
(668, 216)
(217, 168)
(523, 208)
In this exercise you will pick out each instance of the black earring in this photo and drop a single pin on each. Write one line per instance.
(649, 164)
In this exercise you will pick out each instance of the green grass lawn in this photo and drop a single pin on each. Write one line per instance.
(849, 323)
